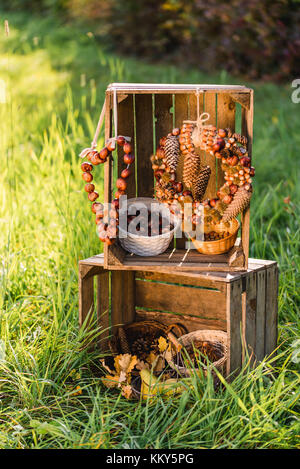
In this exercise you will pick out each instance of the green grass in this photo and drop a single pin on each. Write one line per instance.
(55, 77)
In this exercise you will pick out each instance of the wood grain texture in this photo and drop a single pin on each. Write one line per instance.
(260, 314)
(126, 128)
(144, 144)
(108, 170)
(271, 309)
(191, 323)
(234, 325)
(182, 278)
(185, 300)
(103, 309)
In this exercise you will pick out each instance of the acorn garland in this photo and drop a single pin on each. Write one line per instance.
(107, 231)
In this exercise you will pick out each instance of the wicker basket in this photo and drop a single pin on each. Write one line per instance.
(148, 245)
(137, 329)
(215, 338)
(219, 246)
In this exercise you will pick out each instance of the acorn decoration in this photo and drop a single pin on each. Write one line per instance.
(200, 183)
(191, 165)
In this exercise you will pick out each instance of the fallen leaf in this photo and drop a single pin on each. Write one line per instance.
(162, 344)
(287, 200)
(110, 381)
(127, 391)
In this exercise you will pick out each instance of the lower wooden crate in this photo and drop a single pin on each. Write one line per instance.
(243, 304)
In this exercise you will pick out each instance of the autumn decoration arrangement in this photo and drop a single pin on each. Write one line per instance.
(148, 359)
(231, 148)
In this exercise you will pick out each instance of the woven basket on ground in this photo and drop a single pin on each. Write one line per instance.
(217, 340)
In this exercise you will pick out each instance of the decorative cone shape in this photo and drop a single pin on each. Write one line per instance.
(171, 148)
(191, 168)
(240, 201)
(201, 182)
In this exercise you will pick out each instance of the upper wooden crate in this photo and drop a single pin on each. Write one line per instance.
(147, 112)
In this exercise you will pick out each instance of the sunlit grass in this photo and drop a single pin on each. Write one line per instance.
(55, 80)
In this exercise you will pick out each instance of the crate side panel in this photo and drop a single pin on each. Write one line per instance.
(181, 299)
(250, 319)
(271, 309)
(144, 144)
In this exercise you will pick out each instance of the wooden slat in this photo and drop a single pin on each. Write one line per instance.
(128, 297)
(249, 322)
(186, 300)
(144, 144)
(260, 314)
(174, 88)
(190, 322)
(181, 114)
(182, 278)
(126, 127)
(225, 118)
(163, 116)
(86, 300)
(210, 107)
(271, 309)
(234, 325)
(108, 173)
(116, 299)
(103, 309)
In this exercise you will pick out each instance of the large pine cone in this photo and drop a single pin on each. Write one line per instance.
(172, 151)
(201, 182)
(240, 201)
(191, 169)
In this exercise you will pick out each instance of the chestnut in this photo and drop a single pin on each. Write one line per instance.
(121, 184)
(95, 159)
(233, 189)
(111, 146)
(233, 160)
(222, 133)
(127, 147)
(87, 177)
(227, 199)
(119, 193)
(176, 131)
(115, 203)
(104, 153)
(89, 188)
(160, 153)
(93, 196)
(121, 140)
(245, 161)
(97, 206)
(86, 167)
(128, 158)
(125, 173)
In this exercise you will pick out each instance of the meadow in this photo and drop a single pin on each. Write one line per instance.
(53, 77)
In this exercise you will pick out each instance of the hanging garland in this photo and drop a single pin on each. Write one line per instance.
(107, 231)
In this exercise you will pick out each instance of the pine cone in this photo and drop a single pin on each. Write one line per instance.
(190, 169)
(240, 138)
(201, 182)
(229, 132)
(240, 201)
(171, 148)
(141, 348)
(123, 341)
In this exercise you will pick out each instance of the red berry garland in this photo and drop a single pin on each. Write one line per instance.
(107, 231)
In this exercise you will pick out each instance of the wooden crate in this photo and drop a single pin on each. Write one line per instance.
(149, 112)
(242, 304)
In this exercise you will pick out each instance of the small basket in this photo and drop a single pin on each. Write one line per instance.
(219, 246)
(148, 245)
(217, 339)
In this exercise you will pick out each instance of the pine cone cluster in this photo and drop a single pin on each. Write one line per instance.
(172, 151)
(241, 200)
(200, 183)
